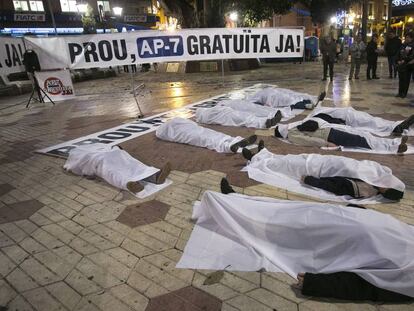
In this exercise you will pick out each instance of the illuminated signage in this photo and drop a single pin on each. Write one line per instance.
(29, 17)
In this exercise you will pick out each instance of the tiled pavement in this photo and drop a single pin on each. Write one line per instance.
(69, 243)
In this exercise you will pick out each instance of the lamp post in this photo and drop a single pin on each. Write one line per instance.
(52, 15)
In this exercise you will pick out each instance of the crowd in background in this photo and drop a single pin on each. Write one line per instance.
(400, 56)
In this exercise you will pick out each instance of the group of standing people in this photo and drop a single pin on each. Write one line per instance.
(400, 58)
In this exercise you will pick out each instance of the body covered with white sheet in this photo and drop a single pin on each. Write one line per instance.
(279, 97)
(286, 171)
(243, 233)
(362, 121)
(185, 131)
(113, 165)
(242, 113)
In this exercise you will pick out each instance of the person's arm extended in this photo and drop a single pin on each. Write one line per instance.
(349, 286)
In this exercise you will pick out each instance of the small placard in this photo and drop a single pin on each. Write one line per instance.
(173, 67)
(208, 66)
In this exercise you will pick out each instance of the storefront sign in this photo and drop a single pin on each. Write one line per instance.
(88, 51)
(11, 55)
(135, 18)
(18, 17)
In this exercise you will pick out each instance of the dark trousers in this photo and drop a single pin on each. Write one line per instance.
(372, 67)
(327, 62)
(336, 185)
(392, 65)
(347, 286)
(404, 80)
(329, 119)
(345, 139)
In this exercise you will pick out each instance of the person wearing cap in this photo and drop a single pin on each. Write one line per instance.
(311, 134)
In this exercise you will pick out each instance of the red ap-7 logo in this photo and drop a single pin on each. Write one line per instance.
(162, 46)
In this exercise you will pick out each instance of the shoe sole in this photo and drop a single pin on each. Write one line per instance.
(243, 143)
(134, 187)
(165, 171)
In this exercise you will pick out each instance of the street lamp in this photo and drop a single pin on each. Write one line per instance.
(117, 10)
(234, 16)
(333, 20)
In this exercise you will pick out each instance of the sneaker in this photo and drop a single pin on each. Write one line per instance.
(225, 187)
(243, 143)
(134, 186)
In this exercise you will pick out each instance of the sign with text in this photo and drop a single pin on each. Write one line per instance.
(135, 18)
(88, 51)
(11, 55)
(57, 84)
(19, 17)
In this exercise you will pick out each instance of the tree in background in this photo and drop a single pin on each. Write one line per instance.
(88, 21)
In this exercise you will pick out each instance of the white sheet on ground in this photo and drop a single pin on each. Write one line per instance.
(259, 110)
(185, 131)
(279, 97)
(362, 120)
(113, 165)
(286, 171)
(379, 145)
(249, 233)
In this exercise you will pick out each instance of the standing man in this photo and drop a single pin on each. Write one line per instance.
(328, 51)
(357, 49)
(392, 48)
(372, 58)
(405, 64)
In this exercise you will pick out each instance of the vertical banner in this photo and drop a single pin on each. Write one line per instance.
(57, 84)
(11, 55)
(149, 46)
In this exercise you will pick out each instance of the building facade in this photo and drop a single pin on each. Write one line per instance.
(35, 16)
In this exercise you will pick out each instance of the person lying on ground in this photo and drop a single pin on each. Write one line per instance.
(185, 131)
(364, 121)
(278, 97)
(227, 116)
(341, 176)
(115, 166)
(311, 134)
(371, 261)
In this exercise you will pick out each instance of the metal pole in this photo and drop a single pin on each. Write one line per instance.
(222, 72)
(141, 86)
(53, 16)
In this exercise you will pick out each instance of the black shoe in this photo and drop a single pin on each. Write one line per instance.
(261, 145)
(405, 124)
(225, 187)
(322, 96)
(163, 173)
(398, 95)
(324, 79)
(403, 145)
(276, 119)
(247, 154)
(376, 78)
(368, 78)
(243, 143)
(350, 78)
(356, 78)
(268, 123)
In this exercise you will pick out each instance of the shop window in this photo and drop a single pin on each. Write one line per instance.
(68, 6)
(21, 5)
(105, 5)
(36, 6)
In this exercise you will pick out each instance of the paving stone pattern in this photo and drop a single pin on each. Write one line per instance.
(71, 243)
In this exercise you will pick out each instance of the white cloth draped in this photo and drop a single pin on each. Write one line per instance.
(362, 121)
(243, 233)
(185, 131)
(286, 171)
(279, 97)
(113, 165)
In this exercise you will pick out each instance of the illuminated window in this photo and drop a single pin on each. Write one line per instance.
(68, 6)
(21, 5)
(105, 5)
(36, 6)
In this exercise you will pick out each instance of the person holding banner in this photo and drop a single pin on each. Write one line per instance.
(185, 131)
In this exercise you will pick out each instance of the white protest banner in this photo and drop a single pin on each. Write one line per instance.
(57, 84)
(148, 46)
(131, 130)
(11, 55)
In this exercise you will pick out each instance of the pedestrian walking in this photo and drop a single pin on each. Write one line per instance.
(405, 65)
(372, 58)
(392, 48)
(357, 50)
(328, 50)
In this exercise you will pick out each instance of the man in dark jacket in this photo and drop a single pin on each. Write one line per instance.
(372, 58)
(405, 64)
(392, 48)
(328, 50)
